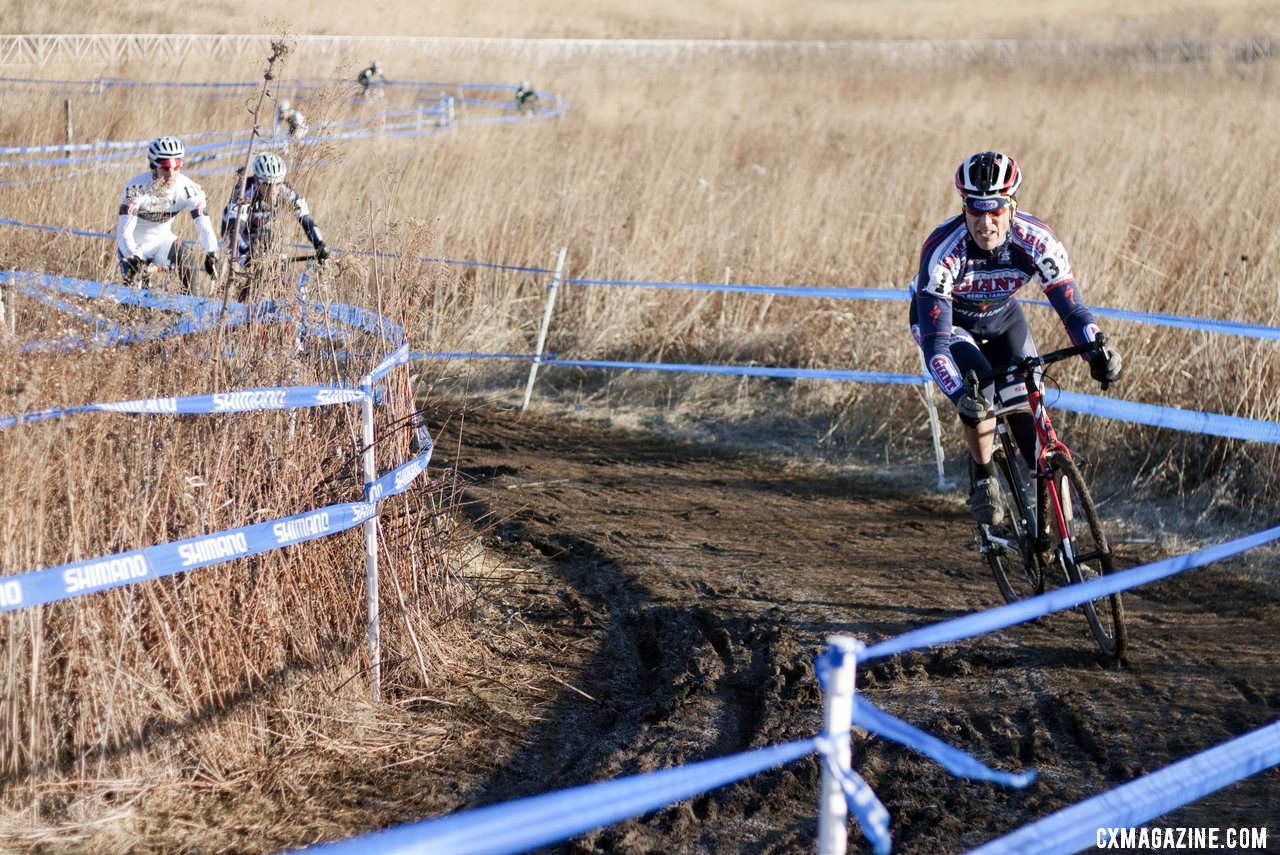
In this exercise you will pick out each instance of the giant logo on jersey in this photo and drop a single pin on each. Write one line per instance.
(945, 372)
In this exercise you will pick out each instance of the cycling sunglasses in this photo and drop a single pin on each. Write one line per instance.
(991, 206)
(173, 163)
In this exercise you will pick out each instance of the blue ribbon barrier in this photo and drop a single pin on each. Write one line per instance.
(399, 479)
(869, 717)
(479, 355)
(891, 294)
(540, 820)
(55, 584)
(1179, 322)
(1090, 823)
(750, 371)
(980, 623)
(1216, 424)
(202, 312)
(424, 123)
(239, 401)
(400, 356)
(863, 802)
(64, 582)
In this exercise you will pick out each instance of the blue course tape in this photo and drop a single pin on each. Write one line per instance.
(400, 356)
(1216, 424)
(477, 355)
(863, 802)
(203, 312)
(751, 371)
(537, 821)
(980, 623)
(1180, 322)
(892, 294)
(1090, 823)
(866, 715)
(399, 479)
(55, 584)
(239, 401)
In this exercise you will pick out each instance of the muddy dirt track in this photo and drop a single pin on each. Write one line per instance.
(689, 588)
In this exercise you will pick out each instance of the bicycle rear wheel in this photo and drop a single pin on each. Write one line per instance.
(1087, 555)
(1010, 546)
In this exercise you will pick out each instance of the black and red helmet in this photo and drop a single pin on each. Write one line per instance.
(988, 174)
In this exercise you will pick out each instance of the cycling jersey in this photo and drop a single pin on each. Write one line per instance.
(147, 210)
(295, 122)
(961, 286)
(252, 214)
(369, 76)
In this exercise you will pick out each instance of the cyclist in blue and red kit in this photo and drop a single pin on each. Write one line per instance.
(965, 317)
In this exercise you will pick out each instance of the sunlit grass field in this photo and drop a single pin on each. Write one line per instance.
(1159, 179)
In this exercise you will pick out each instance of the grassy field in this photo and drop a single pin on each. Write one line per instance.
(811, 19)
(245, 688)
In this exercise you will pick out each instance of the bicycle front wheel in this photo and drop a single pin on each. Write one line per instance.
(1010, 547)
(1085, 554)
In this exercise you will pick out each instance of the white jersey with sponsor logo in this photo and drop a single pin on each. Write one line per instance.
(147, 210)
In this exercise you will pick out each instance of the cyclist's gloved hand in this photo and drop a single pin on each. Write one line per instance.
(973, 406)
(211, 263)
(322, 252)
(1106, 366)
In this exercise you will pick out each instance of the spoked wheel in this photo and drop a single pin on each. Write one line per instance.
(1009, 547)
(1088, 556)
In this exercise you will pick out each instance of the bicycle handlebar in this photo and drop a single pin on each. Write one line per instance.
(1027, 364)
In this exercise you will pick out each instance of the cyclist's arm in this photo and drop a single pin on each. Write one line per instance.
(303, 213)
(204, 229)
(127, 223)
(1059, 284)
(190, 196)
(934, 283)
(934, 328)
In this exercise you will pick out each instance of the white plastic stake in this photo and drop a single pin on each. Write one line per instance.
(546, 322)
(371, 541)
(933, 424)
(837, 712)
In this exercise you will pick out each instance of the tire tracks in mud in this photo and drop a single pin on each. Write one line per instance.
(692, 587)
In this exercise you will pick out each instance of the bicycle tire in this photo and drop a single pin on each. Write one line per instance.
(1090, 555)
(1019, 574)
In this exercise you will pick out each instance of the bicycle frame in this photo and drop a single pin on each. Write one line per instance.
(1047, 445)
(1047, 532)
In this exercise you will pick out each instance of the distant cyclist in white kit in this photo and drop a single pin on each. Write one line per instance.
(148, 205)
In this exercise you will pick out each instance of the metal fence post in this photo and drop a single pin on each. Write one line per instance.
(542, 332)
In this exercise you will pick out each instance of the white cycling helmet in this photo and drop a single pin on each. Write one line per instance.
(269, 167)
(283, 107)
(988, 175)
(164, 148)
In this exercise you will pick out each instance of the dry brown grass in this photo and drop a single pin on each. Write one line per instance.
(236, 693)
(820, 19)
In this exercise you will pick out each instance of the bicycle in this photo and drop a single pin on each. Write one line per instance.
(1061, 528)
